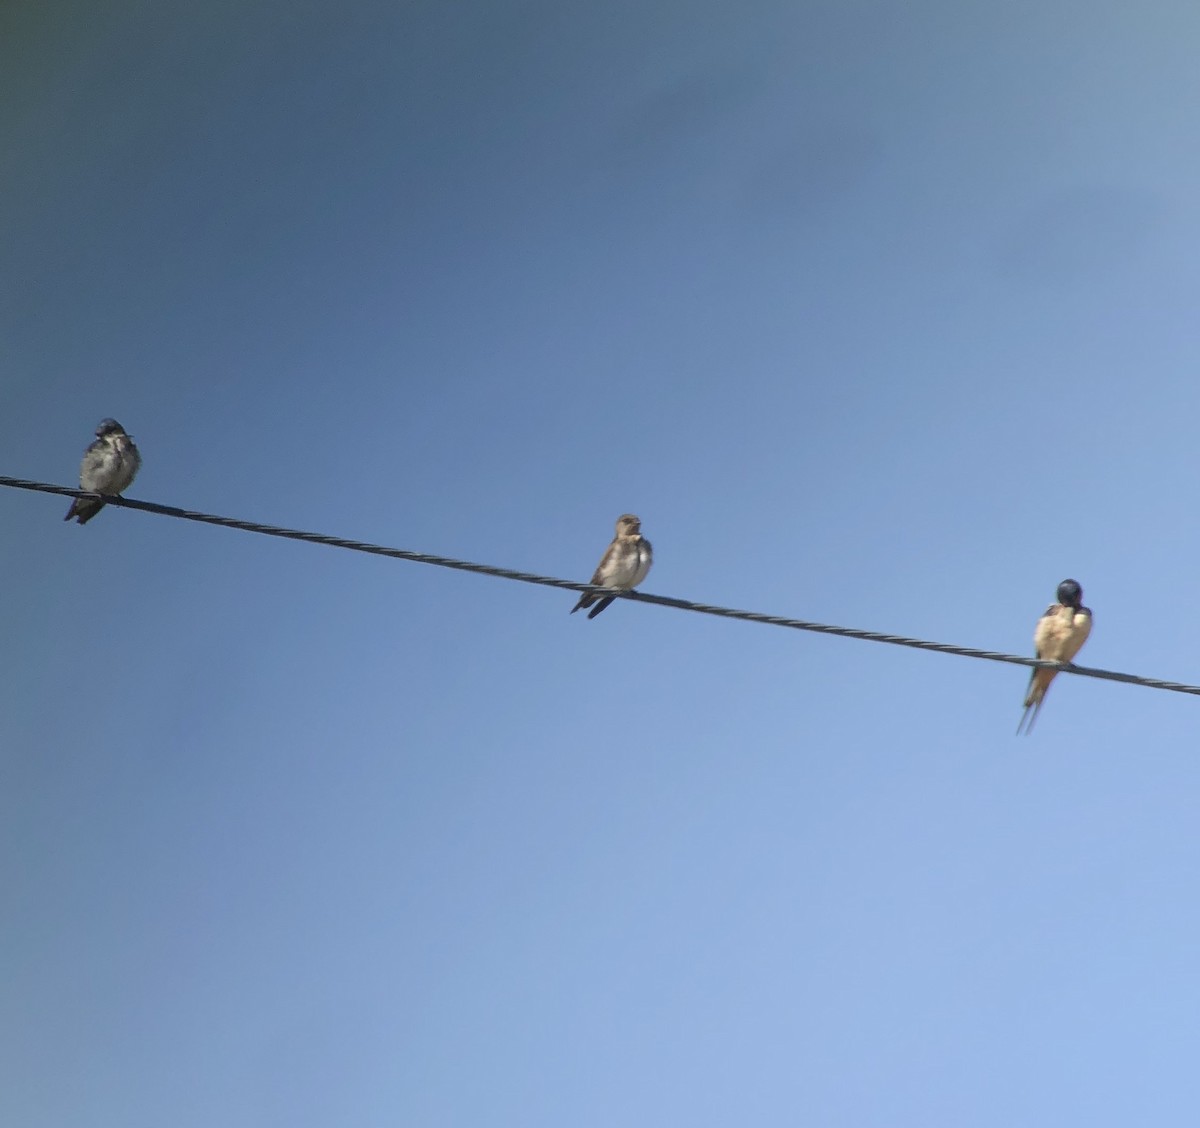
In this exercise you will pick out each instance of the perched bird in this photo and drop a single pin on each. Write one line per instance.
(624, 564)
(109, 466)
(1060, 633)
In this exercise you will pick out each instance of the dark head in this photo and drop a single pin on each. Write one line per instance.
(628, 525)
(109, 427)
(1070, 594)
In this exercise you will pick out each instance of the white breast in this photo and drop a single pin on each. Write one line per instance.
(641, 565)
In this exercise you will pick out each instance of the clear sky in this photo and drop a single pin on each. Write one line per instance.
(876, 314)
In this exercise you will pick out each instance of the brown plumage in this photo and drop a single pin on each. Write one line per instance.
(1059, 636)
(624, 564)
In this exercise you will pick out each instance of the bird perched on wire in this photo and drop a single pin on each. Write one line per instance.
(624, 564)
(109, 467)
(1059, 635)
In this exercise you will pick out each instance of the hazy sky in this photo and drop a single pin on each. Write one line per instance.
(876, 314)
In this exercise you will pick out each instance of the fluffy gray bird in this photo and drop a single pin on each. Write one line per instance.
(624, 565)
(1059, 635)
(109, 466)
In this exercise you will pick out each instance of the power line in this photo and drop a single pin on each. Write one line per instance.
(573, 585)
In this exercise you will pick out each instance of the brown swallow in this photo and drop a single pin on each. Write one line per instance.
(1060, 634)
(624, 565)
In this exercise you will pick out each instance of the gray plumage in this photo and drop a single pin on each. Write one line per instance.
(109, 466)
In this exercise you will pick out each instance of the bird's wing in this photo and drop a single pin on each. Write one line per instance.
(609, 565)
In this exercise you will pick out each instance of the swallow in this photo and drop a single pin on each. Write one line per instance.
(624, 564)
(1060, 634)
(109, 466)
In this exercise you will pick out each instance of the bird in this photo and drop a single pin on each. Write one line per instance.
(1059, 635)
(624, 564)
(109, 466)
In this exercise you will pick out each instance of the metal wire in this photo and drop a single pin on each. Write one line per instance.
(573, 585)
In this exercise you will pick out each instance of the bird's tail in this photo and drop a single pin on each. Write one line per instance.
(600, 606)
(585, 600)
(1039, 682)
(84, 508)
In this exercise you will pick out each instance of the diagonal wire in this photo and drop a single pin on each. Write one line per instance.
(573, 585)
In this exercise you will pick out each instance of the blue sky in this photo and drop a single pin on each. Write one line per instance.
(875, 316)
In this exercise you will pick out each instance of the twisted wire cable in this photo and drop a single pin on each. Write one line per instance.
(573, 585)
